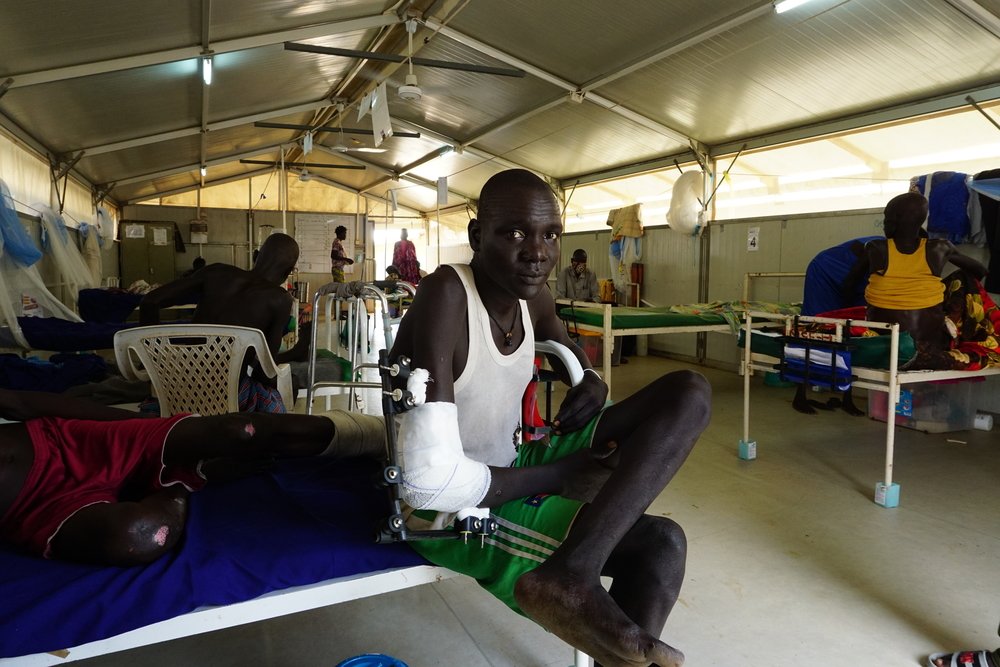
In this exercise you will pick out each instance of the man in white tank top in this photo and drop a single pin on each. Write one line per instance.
(473, 328)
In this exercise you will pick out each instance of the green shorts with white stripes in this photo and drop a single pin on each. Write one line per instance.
(529, 529)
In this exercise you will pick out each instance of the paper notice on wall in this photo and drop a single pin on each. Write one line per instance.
(159, 236)
(135, 231)
(753, 239)
(30, 307)
(381, 123)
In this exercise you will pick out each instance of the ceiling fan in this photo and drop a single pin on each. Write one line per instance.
(304, 165)
(341, 145)
(410, 90)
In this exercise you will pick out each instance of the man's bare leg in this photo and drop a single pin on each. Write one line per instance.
(655, 430)
(255, 435)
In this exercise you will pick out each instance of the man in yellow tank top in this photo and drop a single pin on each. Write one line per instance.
(905, 282)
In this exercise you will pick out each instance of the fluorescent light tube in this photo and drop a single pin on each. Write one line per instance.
(206, 70)
(785, 5)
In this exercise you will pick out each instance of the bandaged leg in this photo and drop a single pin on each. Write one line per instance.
(436, 473)
(356, 434)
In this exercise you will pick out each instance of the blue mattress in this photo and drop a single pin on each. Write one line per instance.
(301, 524)
(57, 334)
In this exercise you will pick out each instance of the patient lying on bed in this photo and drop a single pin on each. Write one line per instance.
(90, 483)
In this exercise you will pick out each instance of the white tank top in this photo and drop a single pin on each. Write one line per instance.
(488, 393)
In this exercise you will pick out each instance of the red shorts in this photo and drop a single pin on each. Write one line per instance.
(80, 463)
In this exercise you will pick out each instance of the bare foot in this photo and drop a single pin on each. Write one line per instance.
(584, 615)
(801, 402)
(849, 407)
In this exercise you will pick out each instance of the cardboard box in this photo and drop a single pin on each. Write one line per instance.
(932, 407)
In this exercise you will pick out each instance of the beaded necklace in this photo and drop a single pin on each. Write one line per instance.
(508, 334)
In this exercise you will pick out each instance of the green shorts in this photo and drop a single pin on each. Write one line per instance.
(529, 529)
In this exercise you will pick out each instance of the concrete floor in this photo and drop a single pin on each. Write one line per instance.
(790, 562)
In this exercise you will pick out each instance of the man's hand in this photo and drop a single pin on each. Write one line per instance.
(581, 404)
(585, 472)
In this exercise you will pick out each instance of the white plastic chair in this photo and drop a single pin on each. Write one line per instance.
(196, 367)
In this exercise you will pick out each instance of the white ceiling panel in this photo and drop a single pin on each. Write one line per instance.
(121, 78)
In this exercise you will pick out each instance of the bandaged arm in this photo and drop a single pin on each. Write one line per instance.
(437, 475)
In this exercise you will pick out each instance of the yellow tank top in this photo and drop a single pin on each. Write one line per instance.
(907, 283)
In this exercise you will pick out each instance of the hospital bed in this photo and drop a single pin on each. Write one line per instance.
(611, 322)
(293, 540)
(298, 538)
(55, 334)
(880, 373)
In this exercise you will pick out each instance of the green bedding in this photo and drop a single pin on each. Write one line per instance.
(686, 315)
(636, 318)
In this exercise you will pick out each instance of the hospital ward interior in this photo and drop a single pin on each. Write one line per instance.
(756, 240)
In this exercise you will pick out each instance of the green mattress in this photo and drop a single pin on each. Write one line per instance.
(638, 318)
(867, 351)
(684, 315)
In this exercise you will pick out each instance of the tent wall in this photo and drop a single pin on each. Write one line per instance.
(30, 182)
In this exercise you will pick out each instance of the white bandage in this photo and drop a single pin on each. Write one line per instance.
(436, 473)
(416, 384)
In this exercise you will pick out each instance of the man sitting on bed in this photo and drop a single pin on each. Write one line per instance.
(92, 483)
(904, 284)
(473, 327)
(226, 294)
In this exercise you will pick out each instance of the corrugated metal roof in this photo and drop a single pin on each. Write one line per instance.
(118, 84)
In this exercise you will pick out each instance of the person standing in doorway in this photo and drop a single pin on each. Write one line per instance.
(404, 258)
(338, 257)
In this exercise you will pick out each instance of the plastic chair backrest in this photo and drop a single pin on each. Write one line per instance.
(193, 367)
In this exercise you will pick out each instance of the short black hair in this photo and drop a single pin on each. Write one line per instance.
(340, 229)
(579, 255)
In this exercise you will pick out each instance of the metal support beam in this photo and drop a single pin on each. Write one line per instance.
(979, 14)
(100, 192)
(512, 120)
(433, 155)
(867, 119)
(728, 23)
(189, 52)
(332, 129)
(463, 148)
(191, 167)
(628, 170)
(210, 127)
(568, 86)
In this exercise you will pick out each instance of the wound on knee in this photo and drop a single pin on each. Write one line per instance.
(160, 536)
(249, 429)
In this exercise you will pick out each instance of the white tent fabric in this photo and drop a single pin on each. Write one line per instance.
(22, 291)
(74, 272)
(23, 294)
